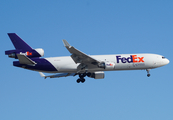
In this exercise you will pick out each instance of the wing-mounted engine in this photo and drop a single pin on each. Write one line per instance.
(29, 53)
(96, 75)
(107, 65)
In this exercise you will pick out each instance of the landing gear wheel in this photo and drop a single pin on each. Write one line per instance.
(78, 80)
(82, 80)
(148, 75)
(148, 72)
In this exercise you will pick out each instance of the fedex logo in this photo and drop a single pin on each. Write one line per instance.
(109, 64)
(27, 53)
(131, 59)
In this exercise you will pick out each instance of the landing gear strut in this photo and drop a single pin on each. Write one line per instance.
(81, 78)
(148, 72)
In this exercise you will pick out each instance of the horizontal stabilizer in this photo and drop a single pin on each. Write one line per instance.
(57, 75)
(25, 60)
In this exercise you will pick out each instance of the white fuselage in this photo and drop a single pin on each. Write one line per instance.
(114, 62)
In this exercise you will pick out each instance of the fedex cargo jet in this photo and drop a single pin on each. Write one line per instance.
(79, 63)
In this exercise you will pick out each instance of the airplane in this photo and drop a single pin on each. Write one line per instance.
(79, 63)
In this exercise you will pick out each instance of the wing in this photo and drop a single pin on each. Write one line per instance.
(78, 56)
(57, 75)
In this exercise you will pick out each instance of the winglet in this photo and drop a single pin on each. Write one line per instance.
(66, 44)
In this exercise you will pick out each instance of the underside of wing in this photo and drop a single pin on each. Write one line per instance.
(57, 75)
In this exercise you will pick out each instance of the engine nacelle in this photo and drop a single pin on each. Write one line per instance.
(97, 75)
(29, 53)
(40, 51)
(107, 65)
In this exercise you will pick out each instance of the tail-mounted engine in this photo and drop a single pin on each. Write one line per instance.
(29, 53)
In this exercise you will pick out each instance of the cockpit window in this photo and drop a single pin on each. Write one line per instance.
(163, 57)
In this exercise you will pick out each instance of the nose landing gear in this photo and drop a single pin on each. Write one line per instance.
(148, 72)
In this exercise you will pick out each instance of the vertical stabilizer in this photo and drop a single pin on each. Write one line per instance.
(22, 48)
(18, 43)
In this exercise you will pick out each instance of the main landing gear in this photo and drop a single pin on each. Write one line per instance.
(81, 78)
(148, 72)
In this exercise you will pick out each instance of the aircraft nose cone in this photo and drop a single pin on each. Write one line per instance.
(167, 61)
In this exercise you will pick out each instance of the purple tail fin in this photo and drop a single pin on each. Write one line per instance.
(18, 43)
(22, 48)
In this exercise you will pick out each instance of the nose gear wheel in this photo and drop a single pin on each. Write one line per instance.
(148, 72)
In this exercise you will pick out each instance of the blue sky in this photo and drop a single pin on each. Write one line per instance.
(94, 27)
